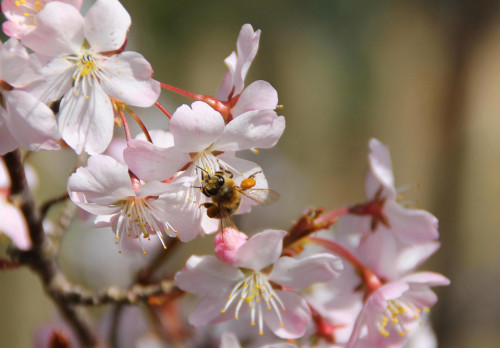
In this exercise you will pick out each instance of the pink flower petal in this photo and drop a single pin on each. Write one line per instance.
(301, 273)
(380, 173)
(104, 181)
(197, 127)
(59, 31)
(128, 78)
(261, 250)
(150, 162)
(14, 58)
(12, 223)
(261, 129)
(207, 276)
(247, 47)
(8, 143)
(260, 95)
(426, 278)
(295, 317)
(106, 25)
(30, 122)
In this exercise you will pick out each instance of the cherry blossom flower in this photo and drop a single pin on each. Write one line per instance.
(392, 234)
(132, 208)
(86, 68)
(24, 120)
(224, 288)
(21, 14)
(394, 310)
(202, 140)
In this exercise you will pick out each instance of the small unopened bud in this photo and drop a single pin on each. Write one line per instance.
(227, 243)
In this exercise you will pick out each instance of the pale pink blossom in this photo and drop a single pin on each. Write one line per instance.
(201, 140)
(229, 340)
(24, 120)
(133, 208)
(85, 67)
(231, 290)
(395, 239)
(21, 14)
(392, 312)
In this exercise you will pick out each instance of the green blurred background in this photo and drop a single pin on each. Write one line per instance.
(421, 76)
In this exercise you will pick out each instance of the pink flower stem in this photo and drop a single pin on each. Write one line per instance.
(371, 280)
(139, 122)
(125, 125)
(163, 109)
(223, 107)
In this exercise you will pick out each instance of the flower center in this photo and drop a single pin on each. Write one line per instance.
(87, 71)
(257, 292)
(138, 217)
(398, 313)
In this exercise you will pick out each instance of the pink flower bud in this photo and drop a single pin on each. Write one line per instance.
(227, 243)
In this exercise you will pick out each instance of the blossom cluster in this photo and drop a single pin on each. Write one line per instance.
(341, 278)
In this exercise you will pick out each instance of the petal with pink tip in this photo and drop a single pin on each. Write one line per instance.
(59, 31)
(301, 273)
(197, 127)
(128, 78)
(295, 317)
(106, 25)
(86, 121)
(207, 276)
(260, 95)
(261, 250)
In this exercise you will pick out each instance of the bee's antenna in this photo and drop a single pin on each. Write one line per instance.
(198, 187)
(203, 170)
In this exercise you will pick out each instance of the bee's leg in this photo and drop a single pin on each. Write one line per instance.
(254, 174)
(212, 209)
(228, 172)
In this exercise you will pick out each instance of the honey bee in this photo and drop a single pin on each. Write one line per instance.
(226, 195)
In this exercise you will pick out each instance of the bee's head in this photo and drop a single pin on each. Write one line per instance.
(210, 184)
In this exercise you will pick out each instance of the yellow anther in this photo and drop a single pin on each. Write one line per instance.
(401, 334)
(144, 253)
(253, 324)
(222, 311)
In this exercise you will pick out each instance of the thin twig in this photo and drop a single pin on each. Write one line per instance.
(44, 209)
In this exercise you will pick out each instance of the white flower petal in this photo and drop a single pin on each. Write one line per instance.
(150, 162)
(380, 173)
(301, 273)
(253, 129)
(30, 122)
(197, 127)
(260, 95)
(106, 25)
(104, 181)
(128, 77)
(295, 317)
(207, 276)
(261, 250)
(86, 121)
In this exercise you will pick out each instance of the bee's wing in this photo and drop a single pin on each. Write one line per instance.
(225, 219)
(261, 196)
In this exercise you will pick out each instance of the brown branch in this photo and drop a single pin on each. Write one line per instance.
(44, 209)
(133, 295)
(39, 258)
